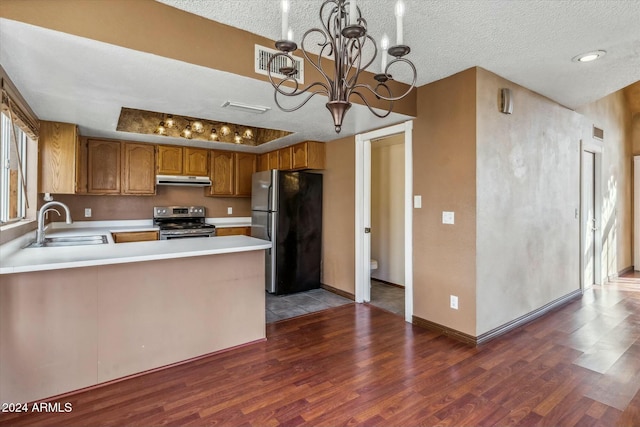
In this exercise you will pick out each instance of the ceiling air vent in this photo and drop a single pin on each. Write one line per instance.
(264, 54)
(598, 133)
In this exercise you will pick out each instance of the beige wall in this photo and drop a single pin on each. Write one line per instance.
(387, 208)
(611, 114)
(444, 165)
(141, 207)
(338, 213)
(527, 190)
(63, 330)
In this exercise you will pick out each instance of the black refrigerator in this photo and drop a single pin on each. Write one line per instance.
(286, 208)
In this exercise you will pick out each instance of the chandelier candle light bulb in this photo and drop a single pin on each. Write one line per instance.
(285, 19)
(352, 12)
(399, 15)
(384, 44)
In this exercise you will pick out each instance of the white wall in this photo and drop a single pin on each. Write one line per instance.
(387, 208)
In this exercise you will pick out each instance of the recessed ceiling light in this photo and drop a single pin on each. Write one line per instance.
(589, 56)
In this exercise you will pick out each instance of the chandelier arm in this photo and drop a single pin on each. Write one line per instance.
(297, 91)
(289, 110)
(390, 97)
(325, 44)
(359, 95)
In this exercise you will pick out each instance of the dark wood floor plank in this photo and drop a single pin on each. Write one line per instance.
(360, 365)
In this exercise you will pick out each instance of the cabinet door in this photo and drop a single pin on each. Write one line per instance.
(263, 162)
(169, 160)
(245, 165)
(138, 169)
(134, 236)
(81, 167)
(284, 159)
(273, 160)
(308, 155)
(233, 231)
(57, 151)
(196, 161)
(103, 167)
(221, 174)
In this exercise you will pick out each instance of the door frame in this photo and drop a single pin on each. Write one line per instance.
(596, 148)
(363, 213)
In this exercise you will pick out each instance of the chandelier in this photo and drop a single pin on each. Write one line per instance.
(344, 39)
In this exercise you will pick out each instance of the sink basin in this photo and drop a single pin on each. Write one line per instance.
(49, 242)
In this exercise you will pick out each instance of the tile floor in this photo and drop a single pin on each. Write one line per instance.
(279, 307)
(390, 298)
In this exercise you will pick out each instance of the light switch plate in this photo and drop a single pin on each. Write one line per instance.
(229, 210)
(448, 217)
(453, 301)
(417, 202)
(87, 212)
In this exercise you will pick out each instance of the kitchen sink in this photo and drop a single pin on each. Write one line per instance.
(49, 242)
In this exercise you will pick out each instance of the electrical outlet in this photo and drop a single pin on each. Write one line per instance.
(87, 212)
(448, 217)
(453, 302)
(229, 210)
(417, 202)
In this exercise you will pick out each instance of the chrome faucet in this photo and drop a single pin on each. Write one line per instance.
(43, 210)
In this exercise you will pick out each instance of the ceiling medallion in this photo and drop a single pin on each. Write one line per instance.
(343, 38)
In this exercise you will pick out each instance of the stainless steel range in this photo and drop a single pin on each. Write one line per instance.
(182, 222)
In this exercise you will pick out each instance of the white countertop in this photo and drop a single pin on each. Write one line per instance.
(14, 258)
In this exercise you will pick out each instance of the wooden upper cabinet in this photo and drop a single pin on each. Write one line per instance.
(273, 160)
(196, 161)
(58, 146)
(222, 174)
(103, 158)
(263, 162)
(170, 160)
(308, 155)
(138, 169)
(245, 166)
(285, 158)
(175, 160)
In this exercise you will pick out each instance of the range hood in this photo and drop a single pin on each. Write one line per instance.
(183, 180)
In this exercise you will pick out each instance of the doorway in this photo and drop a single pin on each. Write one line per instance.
(387, 224)
(363, 213)
(590, 208)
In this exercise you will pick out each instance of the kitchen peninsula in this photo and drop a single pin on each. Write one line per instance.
(74, 317)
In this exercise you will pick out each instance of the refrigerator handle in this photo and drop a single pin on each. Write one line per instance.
(269, 225)
(269, 193)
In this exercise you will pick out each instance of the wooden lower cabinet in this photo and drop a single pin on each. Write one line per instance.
(135, 236)
(233, 231)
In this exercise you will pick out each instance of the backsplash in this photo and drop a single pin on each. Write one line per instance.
(141, 207)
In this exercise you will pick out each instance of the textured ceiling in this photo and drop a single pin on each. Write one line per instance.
(530, 42)
(73, 79)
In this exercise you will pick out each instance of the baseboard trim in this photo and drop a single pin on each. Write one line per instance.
(500, 330)
(149, 371)
(625, 271)
(388, 283)
(444, 330)
(337, 291)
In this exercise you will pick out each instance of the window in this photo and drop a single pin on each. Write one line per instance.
(12, 164)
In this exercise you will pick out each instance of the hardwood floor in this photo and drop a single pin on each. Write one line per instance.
(360, 365)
